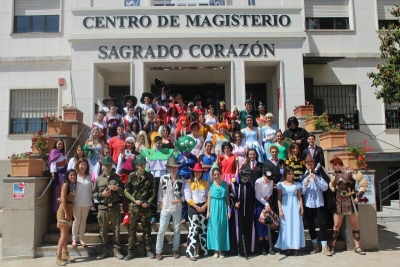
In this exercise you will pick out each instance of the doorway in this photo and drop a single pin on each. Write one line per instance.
(258, 91)
(119, 91)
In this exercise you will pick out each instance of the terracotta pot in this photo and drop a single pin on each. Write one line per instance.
(302, 111)
(49, 145)
(59, 128)
(349, 159)
(27, 167)
(73, 114)
(309, 123)
(333, 139)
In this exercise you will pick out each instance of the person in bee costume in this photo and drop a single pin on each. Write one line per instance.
(242, 195)
(140, 189)
(342, 184)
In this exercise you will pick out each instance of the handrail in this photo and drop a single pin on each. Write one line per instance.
(45, 190)
(390, 175)
(390, 194)
(76, 140)
(381, 190)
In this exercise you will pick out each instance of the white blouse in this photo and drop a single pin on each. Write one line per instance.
(263, 189)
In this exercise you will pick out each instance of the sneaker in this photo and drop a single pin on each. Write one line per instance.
(118, 255)
(153, 220)
(193, 259)
(215, 255)
(326, 251)
(150, 255)
(103, 255)
(315, 249)
(221, 255)
(159, 256)
(129, 256)
(176, 255)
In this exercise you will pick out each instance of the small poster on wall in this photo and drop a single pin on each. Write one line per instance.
(19, 190)
(132, 2)
(217, 2)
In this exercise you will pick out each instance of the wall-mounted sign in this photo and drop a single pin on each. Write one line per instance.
(19, 190)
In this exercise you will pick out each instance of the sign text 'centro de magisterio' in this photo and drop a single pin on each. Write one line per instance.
(174, 21)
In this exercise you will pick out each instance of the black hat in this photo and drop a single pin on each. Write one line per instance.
(164, 100)
(160, 83)
(146, 94)
(109, 98)
(130, 97)
(196, 98)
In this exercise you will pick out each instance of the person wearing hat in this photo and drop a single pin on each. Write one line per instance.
(129, 101)
(147, 101)
(170, 198)
(107, 103)
(313, 187)
(113, 120)
(194, 133)
(223, 114)
(248, 111)
(296, 133)
(221, 136)
(262, 118)
(156, 160)
(190, 108)
(197, 105)
(107, 190)
(196, 194)
(264, 189)
(140, 190)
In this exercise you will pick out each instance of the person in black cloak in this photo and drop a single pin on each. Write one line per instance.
(296, 133)
(241, 224)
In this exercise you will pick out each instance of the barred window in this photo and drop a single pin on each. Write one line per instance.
(340, 102)
(392, 114)
(29, 106)
(188, 2)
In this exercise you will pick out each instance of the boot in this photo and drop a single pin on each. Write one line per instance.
(59, 261)
(261, 247)
(315, 249)
(129, 256)
(266, 246)
(118, 255)
(65, 257)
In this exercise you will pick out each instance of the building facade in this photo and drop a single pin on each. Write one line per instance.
(78, 52)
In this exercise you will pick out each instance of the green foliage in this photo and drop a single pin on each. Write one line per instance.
(387, 79)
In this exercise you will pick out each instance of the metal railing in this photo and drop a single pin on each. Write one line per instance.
(380, 190)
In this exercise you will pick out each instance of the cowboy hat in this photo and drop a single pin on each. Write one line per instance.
(172, 161)
(109, 98)
(160, 83)
(197, 168)
(130, 97)
(146, 94)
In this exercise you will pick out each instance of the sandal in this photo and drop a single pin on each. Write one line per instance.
(83, 244)
(332, 250)
(359, 251)
(74, 244)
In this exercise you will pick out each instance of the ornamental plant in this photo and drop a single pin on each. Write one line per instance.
(25, 155)
(39, 142)
(387, 79)
(52, 118)
(322, 124)
(360, 149)
(67, 106)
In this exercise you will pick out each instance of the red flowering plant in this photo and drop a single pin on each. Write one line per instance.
(39, 142)
(25, 155)
(360, 149)
(52, 118)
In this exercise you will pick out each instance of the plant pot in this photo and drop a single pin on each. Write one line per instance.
(349, 159)
(59, 128)
(27, 167)
(333, 139)
(302, 111)
(49, 145)
(73, 114)
(309, 123)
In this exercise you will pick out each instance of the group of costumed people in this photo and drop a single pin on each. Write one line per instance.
(230, 176)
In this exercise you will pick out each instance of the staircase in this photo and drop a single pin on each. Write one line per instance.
(389, 213)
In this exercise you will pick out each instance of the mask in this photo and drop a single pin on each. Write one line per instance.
(107, 169)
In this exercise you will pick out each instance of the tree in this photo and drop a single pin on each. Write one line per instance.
(387, 79)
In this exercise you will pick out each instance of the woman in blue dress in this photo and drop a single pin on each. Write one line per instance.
(94, 143)
(291, 230)
(253, 137)
(268, 134)
(206, 160)
(218, 215)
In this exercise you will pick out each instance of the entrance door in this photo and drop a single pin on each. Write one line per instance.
(211, 93)
(258, 91)
(119, 91)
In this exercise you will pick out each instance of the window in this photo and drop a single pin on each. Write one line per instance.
(36, 16)
(188, 2)
(392, 114)
(327, 23)
(29, 106)
(385, 23)
(383, 9)
(252, 2)
(340, 102)
(24, 24)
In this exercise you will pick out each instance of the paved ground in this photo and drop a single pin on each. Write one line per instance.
(389, 255)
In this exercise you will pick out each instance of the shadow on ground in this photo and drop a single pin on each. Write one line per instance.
(389, 239)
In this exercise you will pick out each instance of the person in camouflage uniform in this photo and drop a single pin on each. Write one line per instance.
(140, 189)
(108, 190)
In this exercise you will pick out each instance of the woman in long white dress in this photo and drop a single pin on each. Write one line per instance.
(211, 119)
(268, 133)
(253, 138)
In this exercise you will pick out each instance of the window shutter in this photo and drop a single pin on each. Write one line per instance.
(326, 8)
(383, 9)
(36, 7)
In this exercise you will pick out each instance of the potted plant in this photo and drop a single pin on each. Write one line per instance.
(42, 143)
(354, 156)
(335, 137)
(55, 126)
(304, 110)
(71, 113)
(24, 165)
(317, 123)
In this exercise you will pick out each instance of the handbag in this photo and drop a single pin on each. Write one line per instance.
(269, 218)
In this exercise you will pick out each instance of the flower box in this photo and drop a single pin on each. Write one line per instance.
(309, 123)
(333, 139)
(26, 167)
(49, 145)
(304, 110)
(73, 114)
(59, 128)
(349, 159)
